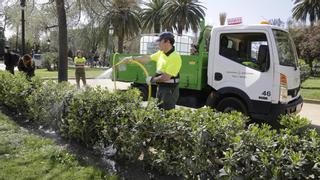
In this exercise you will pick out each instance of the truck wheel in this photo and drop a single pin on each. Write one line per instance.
(231, 104)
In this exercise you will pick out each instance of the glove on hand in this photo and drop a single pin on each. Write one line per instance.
(149, 80)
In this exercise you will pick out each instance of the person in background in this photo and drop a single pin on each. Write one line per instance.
(80, 61)
(10, 59)
(26, 65)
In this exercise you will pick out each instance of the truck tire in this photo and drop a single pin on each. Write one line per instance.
(229, 104)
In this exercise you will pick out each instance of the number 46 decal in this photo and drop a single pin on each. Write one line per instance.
(266, 93)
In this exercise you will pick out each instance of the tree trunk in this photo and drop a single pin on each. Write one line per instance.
(180, 29)
(63, 42)
(107, 45)
(157, 28)
(17, 38)
(120, 43)
(23, 43)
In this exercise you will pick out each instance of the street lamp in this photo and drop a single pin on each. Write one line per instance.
(48, 43)
(111, 30)
(22, 5)
(110, 51)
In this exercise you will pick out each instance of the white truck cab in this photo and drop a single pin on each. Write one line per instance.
(254, 69)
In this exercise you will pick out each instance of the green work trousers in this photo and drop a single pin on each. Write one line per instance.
(168, 95)
(80, 73)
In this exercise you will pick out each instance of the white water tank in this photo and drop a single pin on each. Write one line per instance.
(148, 44)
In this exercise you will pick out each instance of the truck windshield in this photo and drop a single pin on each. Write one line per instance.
(286, 50)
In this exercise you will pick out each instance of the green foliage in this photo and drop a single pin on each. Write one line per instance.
(50, 61)
(184, 142)
(248, 156)
(125, 19)
(183, 15)
(181, 142)
(304, 9)
(309, 46)
(15, 89)
(261, 153)
(316, 68)
(92, 115)
(46, 102)
(305, 70)
(294, 123)
(153, 15)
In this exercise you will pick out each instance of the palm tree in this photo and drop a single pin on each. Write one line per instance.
(153, 15)
(184, 14)
(124, 16)
(307, 8)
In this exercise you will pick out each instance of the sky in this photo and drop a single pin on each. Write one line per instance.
(251, 11)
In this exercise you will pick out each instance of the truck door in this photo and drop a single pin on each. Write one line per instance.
(242, 65)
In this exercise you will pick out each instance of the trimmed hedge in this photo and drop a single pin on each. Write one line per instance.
(193, 144)
(92, 116)
(15, 89)
(305, 70)
(46, 103)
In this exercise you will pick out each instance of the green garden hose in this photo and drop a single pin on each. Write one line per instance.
(131, 61)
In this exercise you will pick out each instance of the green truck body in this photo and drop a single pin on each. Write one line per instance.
(193, 73)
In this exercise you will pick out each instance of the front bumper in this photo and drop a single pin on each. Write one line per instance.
(293, 107)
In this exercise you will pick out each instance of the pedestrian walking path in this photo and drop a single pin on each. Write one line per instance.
(108, 83)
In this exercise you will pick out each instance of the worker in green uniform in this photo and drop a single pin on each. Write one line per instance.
(168, 63)
(80, 61)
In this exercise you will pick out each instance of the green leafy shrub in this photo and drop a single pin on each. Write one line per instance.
(91, 116)
(50, 61)
(305, 70)
(316, 68)
(184, 142)
(249, 155)
(294, 122)
(161, 139)
(46, 103)
(262, 153)
(14, 90)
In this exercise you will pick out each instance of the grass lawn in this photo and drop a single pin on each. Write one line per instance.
(313, 82)
(90, 73)
(307, 92)
(27, 156)
(310, 94)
